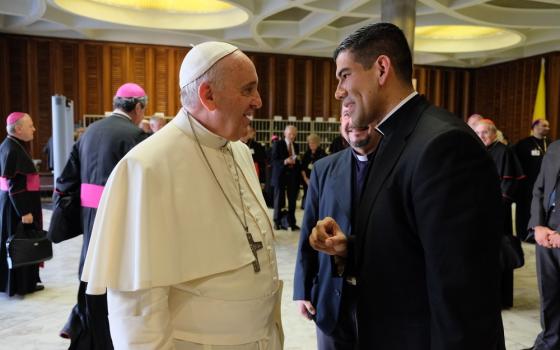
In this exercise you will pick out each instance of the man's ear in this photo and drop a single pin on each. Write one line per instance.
(138, 108)
(383, 64)
(206, 96)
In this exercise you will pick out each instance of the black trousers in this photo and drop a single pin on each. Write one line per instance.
(291, 189)
(548, 277)
(345, 335)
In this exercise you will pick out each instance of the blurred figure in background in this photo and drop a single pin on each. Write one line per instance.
(530, 152)
(145, 126)
(258, 153)
(156, 122)
(313, 153)
(473, 120)
(510, 174)
(91, 161)
(20, 201)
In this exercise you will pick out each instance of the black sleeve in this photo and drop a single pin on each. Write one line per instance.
(539, 204)
(457, 208)
(17, 190)
(70, 178)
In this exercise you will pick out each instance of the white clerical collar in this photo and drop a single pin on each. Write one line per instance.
(122, 114)
(403, 101)
(362, 158)
(205, 136)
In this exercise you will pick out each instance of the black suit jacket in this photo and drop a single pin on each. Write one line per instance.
(329, 194)
(281, 173)
(427, 237)
(544, 186)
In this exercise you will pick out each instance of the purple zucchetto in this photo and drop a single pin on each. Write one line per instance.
(14, 117)
(130, 90)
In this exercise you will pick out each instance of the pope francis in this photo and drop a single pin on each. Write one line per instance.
(201, 274)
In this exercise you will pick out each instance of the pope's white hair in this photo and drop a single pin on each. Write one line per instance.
(189, 93)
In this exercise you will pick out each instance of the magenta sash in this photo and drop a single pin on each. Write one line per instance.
(4, 184)
(90, 195)
(32, 183)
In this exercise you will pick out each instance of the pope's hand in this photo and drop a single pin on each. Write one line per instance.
(327, 237)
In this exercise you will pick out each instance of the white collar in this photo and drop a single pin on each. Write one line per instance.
(205, 136)
(403, 101)
(121, 113)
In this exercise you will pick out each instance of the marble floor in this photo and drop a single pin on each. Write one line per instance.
(32, 322)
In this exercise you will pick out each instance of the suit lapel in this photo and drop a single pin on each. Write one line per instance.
(341, 182)
(402, 124)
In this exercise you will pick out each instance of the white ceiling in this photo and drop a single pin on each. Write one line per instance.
(310, 27)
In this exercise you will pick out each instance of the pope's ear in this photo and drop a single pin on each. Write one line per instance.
(206, 96)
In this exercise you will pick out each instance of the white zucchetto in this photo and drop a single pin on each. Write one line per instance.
(201, 58)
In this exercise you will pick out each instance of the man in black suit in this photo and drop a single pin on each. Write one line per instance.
(425, 249)
(530, 152)
(544, 226)
(286, 177)
(327, 299)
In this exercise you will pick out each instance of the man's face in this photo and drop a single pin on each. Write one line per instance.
(358, 90)
(473, 120)
(155, 125)
(486, 133)
(290, 134)
(235, 96)
(313, 145)
(25, 130)
(145, 126)
(542, 128)
(357, 137)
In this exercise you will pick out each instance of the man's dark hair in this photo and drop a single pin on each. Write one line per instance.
(128, 104)
(369, 42)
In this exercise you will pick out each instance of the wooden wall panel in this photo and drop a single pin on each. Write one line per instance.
(318, 85)
(91, 90)
(261, 65)
(281, 86)
(89, 73)
(299, 87)
(506, 93)
(17, 72)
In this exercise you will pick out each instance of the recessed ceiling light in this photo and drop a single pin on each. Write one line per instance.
(462, 38)
(163, 14)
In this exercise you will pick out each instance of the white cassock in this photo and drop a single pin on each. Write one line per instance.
(172, 254)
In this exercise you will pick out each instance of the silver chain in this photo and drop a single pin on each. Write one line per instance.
(244, 221)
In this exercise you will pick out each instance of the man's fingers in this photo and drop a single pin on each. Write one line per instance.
(309, 307)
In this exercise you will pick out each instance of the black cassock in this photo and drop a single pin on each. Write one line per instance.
(19, 195)
(530, 152)
(91, 161)
(511, 174)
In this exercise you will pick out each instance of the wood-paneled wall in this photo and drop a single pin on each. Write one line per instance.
(506, 93)
(32, 69)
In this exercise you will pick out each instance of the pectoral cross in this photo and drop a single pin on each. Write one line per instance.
(254, 247)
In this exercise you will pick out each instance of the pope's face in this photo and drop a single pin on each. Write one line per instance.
(358, 90)
(236, 96)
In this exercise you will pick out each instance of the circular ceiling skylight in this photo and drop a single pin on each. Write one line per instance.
(162, 14)
(455, 39)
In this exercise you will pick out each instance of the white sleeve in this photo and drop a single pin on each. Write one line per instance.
(139, 320)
